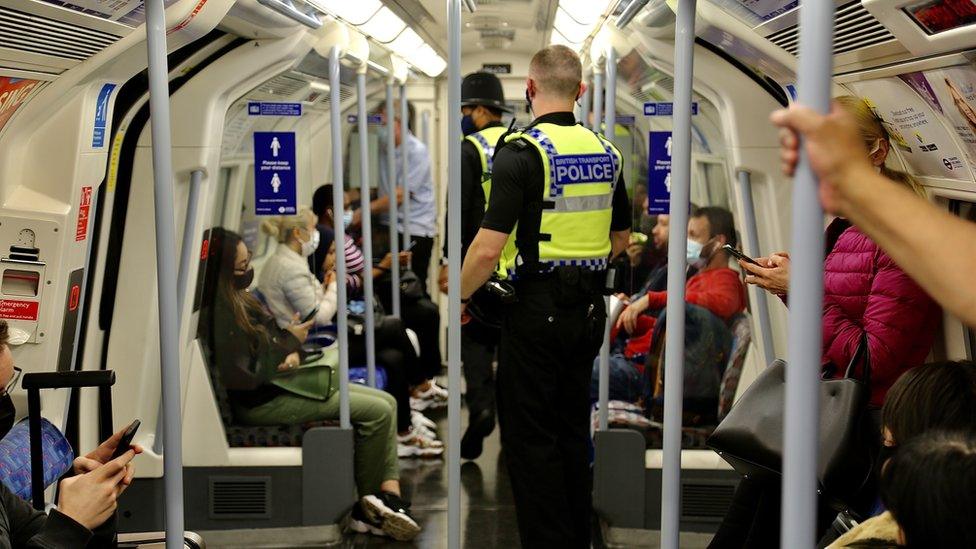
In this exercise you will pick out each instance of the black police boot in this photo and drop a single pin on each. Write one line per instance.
(481, 425)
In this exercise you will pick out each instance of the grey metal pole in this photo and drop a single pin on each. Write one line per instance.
(611, 114)
(392, 216)
(597, 99)
(752, 237)
(367, 228)
(342, 310)
(169, 322)
(187, 255)
(404, 130)
(801, 416)
(454, 277)
(684, 58)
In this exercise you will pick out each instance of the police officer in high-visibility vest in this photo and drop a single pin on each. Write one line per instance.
(482, 106)
(557, 212)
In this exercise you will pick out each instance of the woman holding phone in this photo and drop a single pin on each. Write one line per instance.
(867, 297)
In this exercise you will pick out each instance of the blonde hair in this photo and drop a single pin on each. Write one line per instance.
(282, 226)
(557, 71)
(872, 131)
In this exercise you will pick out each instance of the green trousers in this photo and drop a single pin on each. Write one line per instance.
(373, 415)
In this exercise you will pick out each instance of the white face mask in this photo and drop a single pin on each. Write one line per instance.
(347, 218)
(694, 250)
(309, 246)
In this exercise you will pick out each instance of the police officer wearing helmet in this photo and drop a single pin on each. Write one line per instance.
(482, 105)
(557, 212)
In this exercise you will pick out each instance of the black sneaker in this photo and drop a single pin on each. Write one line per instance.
(393, 513)
(474, 436)
(360, 523)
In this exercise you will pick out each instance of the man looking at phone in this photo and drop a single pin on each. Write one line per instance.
(85, 516)
(715, 287)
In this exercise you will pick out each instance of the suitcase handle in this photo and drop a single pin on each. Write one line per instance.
(33, 383)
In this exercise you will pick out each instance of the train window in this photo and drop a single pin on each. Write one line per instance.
(710, 184)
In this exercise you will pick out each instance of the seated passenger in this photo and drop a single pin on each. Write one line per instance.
(249, 349)
(934, 397)
(715, 287)
(419, 313)
(85, 516)
(865, 293)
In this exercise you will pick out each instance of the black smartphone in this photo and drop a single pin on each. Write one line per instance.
(127, 436)
(409, 246)
(739, 255)
(310, 315)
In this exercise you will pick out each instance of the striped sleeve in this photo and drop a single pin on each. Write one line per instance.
(354, 265)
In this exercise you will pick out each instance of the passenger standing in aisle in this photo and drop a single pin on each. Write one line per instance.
(418, 187)
(482, 105)
(558, 211)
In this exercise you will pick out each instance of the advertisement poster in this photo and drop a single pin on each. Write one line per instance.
(952, 92)
(13, 93)
(915, 129)
(127, 12)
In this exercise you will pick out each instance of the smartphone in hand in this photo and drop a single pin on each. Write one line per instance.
(126, 442)
(739, 255)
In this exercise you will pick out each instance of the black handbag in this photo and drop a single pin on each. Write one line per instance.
(410, 286)
(750, 438)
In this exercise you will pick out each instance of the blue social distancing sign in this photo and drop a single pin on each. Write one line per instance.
(275, 189)
(659, 173)
(666, 109)
(267, 108)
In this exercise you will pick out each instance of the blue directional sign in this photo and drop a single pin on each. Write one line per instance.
(101, 115)
(659, 173)
(265, 108)
(666, 109)
(275, 189)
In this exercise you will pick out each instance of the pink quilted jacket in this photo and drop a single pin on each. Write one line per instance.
(864, 291)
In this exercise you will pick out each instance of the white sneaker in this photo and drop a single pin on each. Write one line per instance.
(422, 423)
(414, 445)
(434, 397)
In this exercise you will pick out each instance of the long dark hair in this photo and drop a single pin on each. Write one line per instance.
(219, 289)
(940, 395)
(929, 487)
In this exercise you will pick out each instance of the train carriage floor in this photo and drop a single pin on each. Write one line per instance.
(488, 516)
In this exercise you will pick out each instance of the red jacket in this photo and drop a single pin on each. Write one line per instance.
(718, 290)
(864, 291)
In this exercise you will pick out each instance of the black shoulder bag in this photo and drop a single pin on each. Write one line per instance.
(750, 438)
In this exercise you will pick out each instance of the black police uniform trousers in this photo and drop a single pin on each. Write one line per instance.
(479, 344)
(546, 353)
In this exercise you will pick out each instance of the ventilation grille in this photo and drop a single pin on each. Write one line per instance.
(705, 502)
(40, 35)
(282, 85)
(345, 93)
(854, 29)
(240, 497)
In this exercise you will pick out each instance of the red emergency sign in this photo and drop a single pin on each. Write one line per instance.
(74, 298)
(13, 309)
(84, 208)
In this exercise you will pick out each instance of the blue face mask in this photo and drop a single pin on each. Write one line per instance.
(694, 250)
(467, 125)
(347, 218)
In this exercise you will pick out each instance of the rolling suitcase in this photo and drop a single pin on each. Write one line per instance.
(103, 379)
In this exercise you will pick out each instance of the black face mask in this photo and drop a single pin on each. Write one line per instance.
(7, 414)
(243, 281)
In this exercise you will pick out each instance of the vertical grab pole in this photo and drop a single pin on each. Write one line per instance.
(392, 216)
(169, 322)
(611, 122)
(597, 98)
(404, 129)
(183, 278)
(684, 50)
(454, 277)
(752, 237)
(801, 415)
(342, 311)
(367, 225)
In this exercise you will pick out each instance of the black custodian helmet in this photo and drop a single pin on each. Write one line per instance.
(483, 88)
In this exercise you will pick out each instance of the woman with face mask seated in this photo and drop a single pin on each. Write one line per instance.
(291, 292)
(251, 352)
